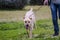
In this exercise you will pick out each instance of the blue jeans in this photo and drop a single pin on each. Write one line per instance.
(54, 9)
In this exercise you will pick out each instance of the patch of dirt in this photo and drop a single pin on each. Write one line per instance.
(42, 13)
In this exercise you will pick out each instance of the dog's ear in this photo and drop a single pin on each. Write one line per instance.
(30, 18)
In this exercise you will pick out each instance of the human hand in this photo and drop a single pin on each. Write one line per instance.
(45, 2)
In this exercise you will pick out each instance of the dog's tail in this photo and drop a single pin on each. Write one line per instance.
(31, 9)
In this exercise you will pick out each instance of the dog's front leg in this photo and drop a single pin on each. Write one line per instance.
(30, 32)
(27, 32)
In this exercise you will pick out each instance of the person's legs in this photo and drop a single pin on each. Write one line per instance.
(54, 18)
(59, 10)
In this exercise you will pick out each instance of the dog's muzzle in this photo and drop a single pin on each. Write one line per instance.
(27, 26)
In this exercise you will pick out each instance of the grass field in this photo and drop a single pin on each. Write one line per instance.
(12, 27)
(16, 31)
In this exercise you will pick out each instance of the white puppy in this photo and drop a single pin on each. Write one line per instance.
(29, 22)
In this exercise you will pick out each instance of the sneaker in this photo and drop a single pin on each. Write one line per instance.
(55, 34)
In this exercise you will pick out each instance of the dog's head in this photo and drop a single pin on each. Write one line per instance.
(27, 21)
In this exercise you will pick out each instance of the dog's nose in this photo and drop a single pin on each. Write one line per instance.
(27, 25)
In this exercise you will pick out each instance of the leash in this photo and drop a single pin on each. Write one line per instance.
(36, 10)
(39, 8)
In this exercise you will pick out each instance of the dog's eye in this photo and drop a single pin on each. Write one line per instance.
(28, 21)
(25, 21)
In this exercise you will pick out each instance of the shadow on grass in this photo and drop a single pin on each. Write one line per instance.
(40, 36)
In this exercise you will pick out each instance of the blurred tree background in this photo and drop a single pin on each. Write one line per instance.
(19, 4)
(36, 2)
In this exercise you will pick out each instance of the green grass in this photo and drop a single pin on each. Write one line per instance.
(16, 31)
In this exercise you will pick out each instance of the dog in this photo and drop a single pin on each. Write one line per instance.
(29, 22)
